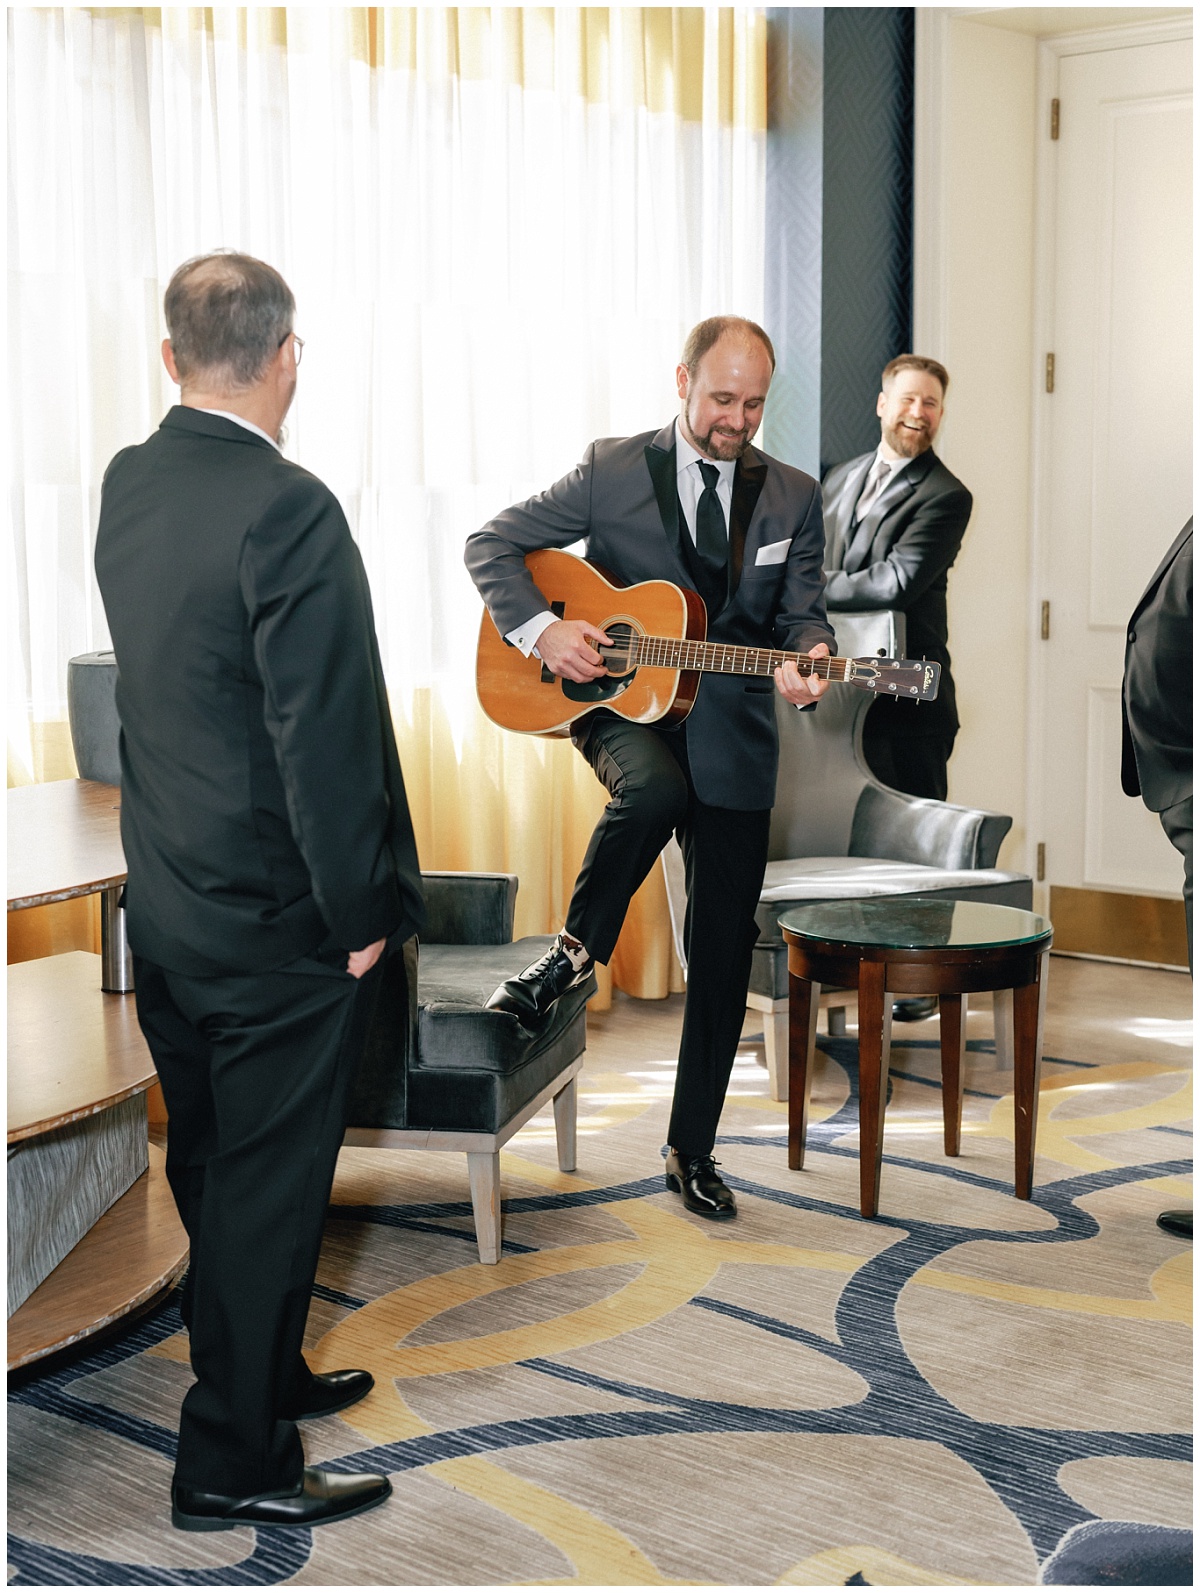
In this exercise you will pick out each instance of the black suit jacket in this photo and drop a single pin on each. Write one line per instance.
(263, 811)
(916, 528)
(1156, 694)
(623, 499)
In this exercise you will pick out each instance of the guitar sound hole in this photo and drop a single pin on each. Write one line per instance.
(618, 655)
(622, 671)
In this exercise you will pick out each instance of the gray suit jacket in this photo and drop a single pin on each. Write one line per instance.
(622, 499)
(915, 529)
(1156, 694)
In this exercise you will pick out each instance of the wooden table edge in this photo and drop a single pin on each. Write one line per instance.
(68, 893)
(66, 1276)
(45, 1125)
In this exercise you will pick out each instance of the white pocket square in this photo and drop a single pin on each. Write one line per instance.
(774, 552)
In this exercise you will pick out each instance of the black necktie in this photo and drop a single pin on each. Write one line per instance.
(712, 539)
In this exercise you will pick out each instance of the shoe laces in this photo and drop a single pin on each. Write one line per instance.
(702, 1164)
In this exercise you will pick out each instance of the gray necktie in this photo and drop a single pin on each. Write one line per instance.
(862, 535)
(877, 480)
(712, 539)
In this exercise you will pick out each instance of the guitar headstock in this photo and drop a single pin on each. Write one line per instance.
(914, 678)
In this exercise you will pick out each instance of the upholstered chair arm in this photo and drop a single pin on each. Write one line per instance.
(469, 909)
(912, 829)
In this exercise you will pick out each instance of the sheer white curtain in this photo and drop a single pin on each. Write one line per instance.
(498, 224)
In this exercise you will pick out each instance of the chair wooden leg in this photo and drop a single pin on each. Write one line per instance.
(953, 1015)
(565, 1107)
(802, 1032)
(1029, 1009)
(874, 1046)
(775, 1044)
(484, 1170)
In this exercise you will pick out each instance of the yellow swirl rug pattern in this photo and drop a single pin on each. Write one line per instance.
(958, 1393)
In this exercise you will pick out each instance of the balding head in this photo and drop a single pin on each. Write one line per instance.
(705, 334)
(722, 381)
(227, 315)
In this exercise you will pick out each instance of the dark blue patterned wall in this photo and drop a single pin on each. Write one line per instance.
(838, 222)
(866, 236)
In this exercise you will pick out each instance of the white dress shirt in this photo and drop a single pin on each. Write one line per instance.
(238, 420)
(689, 484)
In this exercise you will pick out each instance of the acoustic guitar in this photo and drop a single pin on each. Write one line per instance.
(657, 654)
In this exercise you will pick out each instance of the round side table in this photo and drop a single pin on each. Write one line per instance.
(917, 946)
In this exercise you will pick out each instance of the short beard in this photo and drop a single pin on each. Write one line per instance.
(908, 444)
(705, 444)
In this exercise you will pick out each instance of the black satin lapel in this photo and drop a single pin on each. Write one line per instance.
(748, 482)
(661, 464)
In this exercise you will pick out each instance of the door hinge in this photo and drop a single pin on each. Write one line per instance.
(1049, 373)
(1046, 620)
(1053, 118)
(1041, 860)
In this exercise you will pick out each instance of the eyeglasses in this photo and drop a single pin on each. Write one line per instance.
(299, 345)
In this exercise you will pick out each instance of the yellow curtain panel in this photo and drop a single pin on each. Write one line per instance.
(499, 223)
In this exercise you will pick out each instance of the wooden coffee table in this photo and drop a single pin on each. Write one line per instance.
(917, 946)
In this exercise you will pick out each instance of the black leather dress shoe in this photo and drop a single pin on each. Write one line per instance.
(913, 1008)
(530, 995)
(330, 1392)
(697, 1180)
(1177, 1223)
(320, 1497)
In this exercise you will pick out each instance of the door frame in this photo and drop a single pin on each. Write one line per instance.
(1050, 53)
(931, 294)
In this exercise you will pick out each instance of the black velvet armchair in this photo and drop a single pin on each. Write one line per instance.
(440, 1072)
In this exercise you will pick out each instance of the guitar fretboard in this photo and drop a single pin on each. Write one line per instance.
(665, 652)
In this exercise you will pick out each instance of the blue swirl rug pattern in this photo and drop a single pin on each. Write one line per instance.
(963, 1392)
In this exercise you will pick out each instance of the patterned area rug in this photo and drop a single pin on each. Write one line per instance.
(945, 1396)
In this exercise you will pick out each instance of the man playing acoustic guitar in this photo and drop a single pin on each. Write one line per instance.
(696, 505)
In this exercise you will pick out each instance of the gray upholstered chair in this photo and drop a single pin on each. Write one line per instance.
(837, 834)
(439, 1072)
(92, 709)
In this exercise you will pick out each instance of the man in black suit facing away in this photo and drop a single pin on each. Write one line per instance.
(270, 857)
(1156, 725)
(894, 522)
(696, 505)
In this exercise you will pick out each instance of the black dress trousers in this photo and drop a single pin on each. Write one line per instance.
(646, 773)
(256, 1071)
(902, 758)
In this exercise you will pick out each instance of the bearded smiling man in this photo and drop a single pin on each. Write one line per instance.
(894, 522)
(697, 505)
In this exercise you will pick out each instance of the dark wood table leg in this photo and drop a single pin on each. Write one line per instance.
(803, 996)
(953, 1017)
(1028, 1008)
(874, 1044)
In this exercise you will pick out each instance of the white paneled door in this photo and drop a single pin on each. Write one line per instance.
(1117, 438)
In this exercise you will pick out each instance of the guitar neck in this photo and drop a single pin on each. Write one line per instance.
(720, 658)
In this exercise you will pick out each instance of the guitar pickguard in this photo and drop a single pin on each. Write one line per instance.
(598, 691)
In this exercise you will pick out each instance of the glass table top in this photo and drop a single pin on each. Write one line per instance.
(916, 922)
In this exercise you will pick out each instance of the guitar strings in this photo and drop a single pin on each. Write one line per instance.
(728, 659)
